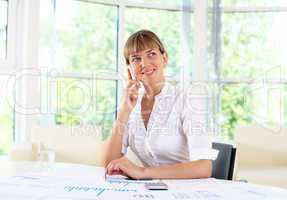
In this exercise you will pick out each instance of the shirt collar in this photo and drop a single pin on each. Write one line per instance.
(167, 89)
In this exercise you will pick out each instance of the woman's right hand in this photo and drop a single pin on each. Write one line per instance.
(131, 92)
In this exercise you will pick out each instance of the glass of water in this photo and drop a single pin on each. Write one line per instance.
(46, 157)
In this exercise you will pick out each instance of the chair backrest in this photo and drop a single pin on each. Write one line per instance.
(223, 166)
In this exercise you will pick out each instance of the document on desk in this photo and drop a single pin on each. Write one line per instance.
(52, 187)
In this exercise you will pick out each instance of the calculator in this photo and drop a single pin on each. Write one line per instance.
(156, 186)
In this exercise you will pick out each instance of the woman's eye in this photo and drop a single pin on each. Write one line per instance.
(152, 54)
(135, 59)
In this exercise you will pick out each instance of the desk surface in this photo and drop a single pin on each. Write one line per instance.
(29, 180)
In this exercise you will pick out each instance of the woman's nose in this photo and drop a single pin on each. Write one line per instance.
(145, 62)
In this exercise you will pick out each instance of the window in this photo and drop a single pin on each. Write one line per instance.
(86, 102)
(285, 105)
(3, 28)
(6, 114)
(254, 3)
(7, 91)
(81, 50)
(252, 43)
(250, 67)
(82, 46)
(155, 20)
(83, 36)
(81, 43)
(168, 2)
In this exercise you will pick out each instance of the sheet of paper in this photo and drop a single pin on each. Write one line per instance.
(53, 186)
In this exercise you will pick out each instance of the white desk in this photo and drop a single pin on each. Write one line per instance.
(28, 181)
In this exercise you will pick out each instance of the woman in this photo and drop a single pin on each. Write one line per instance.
(155, 120)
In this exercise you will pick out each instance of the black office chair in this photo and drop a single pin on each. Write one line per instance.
(223, 166)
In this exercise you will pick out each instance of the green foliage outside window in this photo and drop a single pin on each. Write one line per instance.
(85, 42)
(6, 129)
(3, 28)
(88, 44)
(81, 102)
(6, 117)
(253, 3)
(158, 22)
(249, 50)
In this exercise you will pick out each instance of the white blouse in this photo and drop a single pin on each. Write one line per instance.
(175, 132)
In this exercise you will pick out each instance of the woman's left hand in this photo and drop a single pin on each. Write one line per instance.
(125, 167)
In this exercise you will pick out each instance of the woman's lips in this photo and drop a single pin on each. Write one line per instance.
(148, 72)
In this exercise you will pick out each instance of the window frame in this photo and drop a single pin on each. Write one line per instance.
(23, 29)
(218, 10)
(7, 65)
(20, 12)
(117, 75)
(216, 25)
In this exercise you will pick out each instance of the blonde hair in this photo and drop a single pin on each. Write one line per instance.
(140, 41)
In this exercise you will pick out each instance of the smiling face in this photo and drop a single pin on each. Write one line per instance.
(148, 65)
(146, 56)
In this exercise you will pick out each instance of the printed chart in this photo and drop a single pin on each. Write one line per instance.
(55, 187)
